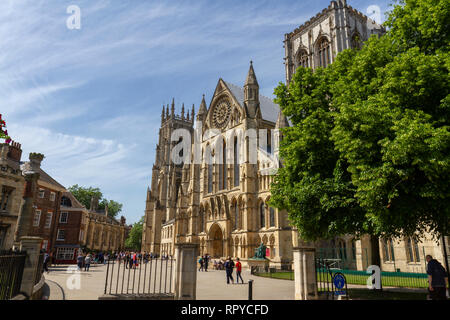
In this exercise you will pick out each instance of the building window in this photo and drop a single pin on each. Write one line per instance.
(37, 218)
(52, 196)
(303, 59)
(210, 178)
(64, 217)
(236, 162)
(48, 220)
(388, 250)
(412, 250)
(202, 220)
(65, 254)
(324, 52)
(61, 235)
(45, 245)
(66, 202)
(272, 216)
(6, 195)
(356, 41)
(41, 193)
(262, 215)
(236, 216)
(223, 169)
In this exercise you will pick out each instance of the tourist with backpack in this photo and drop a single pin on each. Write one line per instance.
(200, 261)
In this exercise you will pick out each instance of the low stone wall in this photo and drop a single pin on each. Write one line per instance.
(137, 297)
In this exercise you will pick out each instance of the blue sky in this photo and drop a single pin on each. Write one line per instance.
(90, 100)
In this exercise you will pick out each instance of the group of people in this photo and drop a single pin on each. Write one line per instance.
(228, 265)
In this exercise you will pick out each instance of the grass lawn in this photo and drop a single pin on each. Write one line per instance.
(387, 281)
(365, 294)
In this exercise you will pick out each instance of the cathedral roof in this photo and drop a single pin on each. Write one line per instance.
(269, 109)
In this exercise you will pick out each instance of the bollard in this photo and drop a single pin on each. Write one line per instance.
(250, 289)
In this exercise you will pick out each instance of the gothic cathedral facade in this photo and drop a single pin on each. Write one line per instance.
(223, 205)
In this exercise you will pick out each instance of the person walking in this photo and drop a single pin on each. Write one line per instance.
(200, 261)
(46, 260)
(229, 265)
(87, 262)
(80, 259)
(437, 279)
(205, 262)
(238, 271)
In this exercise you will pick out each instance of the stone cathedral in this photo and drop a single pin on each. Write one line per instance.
(222, 205)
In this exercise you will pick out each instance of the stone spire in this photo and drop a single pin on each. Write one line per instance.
(282, 121)
(162, 114)
(251, 77)
(172, 113)
(182, 112)
(167, 112)
(202, 110)
(149, 194)
(193, 112)
(251, 93)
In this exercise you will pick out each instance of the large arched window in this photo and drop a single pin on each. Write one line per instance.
(269, 141)
(262, 215)
(272, 216)
(236, 162)
(236, 216)
(210, 178)
(356, 41)
(303, 59)
(202, 219)
(324, 52)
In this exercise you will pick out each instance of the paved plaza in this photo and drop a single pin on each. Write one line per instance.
(62, 283)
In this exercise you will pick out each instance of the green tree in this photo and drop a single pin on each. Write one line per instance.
(134, 240)
(369, 149)
(84, 195)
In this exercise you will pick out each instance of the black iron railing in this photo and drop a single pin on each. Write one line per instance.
(152, 276)
(11, 270)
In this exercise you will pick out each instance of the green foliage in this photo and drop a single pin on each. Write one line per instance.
(3, 131)
(134, 240)
(369, 149)
(84, 195)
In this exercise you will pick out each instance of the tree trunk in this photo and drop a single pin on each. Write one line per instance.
(375, 258)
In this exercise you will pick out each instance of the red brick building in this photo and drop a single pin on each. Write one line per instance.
(70, 229)
(46, 208)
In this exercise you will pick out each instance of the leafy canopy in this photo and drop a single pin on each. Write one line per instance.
(134, 240)
(84, 195)
(369, 149)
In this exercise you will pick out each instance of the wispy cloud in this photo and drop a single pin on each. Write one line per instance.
(90, 99)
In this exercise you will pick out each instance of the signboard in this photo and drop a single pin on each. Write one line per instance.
(339, 284)
(267, 252)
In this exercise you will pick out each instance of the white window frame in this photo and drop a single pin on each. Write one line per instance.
(41, 193)
(48, 222)
(58, 238)
(38, 214)
(66, 215)
(65, 253)
(52, 196)
(45, 245)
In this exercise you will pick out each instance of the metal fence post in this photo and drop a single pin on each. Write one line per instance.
(250, 289)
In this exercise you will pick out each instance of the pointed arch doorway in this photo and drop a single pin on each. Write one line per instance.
(216, 240)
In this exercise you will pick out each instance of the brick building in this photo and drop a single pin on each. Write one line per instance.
(46, 208)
